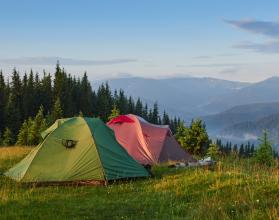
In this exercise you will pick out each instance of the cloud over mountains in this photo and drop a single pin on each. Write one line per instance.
(63, 61)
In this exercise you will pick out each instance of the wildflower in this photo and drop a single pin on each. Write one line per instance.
(257, 200)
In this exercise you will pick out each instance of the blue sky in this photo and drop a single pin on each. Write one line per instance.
(235, 40)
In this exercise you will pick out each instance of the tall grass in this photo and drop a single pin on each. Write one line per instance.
(234, 189)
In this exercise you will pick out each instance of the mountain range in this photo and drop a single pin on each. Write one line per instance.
(185, 97)
(230, 109)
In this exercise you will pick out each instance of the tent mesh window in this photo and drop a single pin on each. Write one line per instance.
(69, 143)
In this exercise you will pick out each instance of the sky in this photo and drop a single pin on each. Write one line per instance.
(234, 40)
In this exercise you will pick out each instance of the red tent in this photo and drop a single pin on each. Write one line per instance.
(147, 143)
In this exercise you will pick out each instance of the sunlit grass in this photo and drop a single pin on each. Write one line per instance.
(234, 189)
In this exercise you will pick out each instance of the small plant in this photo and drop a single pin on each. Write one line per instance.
(264, 153)
(213, 151)
(114, 112)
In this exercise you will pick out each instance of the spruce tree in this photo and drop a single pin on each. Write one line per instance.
(131, 106)
(46, 93)
(57, 111)
(139, 108)
(252, 150)
(181, 134)
(166, 119)
(155, 114)
(22, 137)
(12, 115)
(104, 102)
(86, 104)
(8, 137)
(235, 150)
(150, 116)
(264, 153)
(29, 97)
(145, 112)
(39, 124)
(241, 150)
(197, 139)
(2, 101)
(122, 102)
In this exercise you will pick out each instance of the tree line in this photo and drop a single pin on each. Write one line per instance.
(194, 139)
(30, 103)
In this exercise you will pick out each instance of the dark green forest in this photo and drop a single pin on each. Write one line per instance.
(33, 98)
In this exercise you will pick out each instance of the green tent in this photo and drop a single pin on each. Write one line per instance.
(77, 149)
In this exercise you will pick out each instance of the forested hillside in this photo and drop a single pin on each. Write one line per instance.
(239, 114)
(63, 95)
(253, 129)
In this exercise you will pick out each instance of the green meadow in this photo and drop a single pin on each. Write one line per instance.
(233, 189)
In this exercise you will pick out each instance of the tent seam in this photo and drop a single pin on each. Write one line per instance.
(93, 138)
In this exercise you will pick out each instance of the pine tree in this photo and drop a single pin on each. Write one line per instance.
(145, 112)
(194, 139)
(46, 93)
(8, 137)
(139, 108)
(131, 105)
(114, 112)
(150, 116)
(22, 137)
(2, 101)
(181, 134)
(38, 93)
(122, 102)
(155, 114)
(39, 124)
(86, 104)
(13, 110)
(12, 114)
(166, 119)
(264, 153)
(197, 139)
(241, 151)
(57, 111)
(29, 97)
(252, 150)
(104, 102)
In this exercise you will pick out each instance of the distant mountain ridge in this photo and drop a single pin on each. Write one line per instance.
(232, 110)
(250, 130)
(184, 97)
(242, 113)
(264, 91)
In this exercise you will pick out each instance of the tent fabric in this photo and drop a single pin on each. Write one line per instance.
(148, 143)
(121, 119)
(89, 159)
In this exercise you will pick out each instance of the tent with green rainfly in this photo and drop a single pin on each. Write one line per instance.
(77, 149)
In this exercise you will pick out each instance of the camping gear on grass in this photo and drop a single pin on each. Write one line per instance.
(77, 149)
(147, 143)
(207, 161)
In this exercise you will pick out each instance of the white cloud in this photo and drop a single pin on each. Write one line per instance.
(64, 61)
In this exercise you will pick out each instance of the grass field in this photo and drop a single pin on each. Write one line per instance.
(233, 190)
